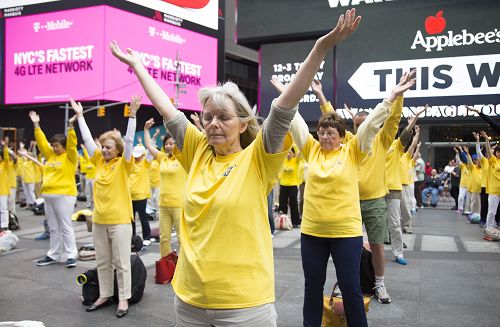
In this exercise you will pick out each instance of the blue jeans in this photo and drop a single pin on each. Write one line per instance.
(346, 255)
(434, 194)
(270, 207)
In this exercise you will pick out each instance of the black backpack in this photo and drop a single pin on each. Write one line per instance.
(13, 221)
(366, 272)
(90, 283)
(139, 276)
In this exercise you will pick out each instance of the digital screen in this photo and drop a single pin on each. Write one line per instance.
(283, 61)
(68, 56)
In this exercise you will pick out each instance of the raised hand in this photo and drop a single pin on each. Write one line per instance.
(466, 149)
(195, 117)
(346, 107)
(346, 25)
(149, 123)
(34, 117)
(130, 57)
(417, 129)
(156, 133)
(473, 109)
(484, 135)
(135, 104)
(71, 121)
(77, 108)
(476, 136)
(280, 87)
(405, 83)
(316, 87)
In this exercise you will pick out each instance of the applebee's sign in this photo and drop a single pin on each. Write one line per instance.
(435, 25)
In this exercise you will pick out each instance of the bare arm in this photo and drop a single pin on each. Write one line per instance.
(147, 138)
(488, 146)
(135, 104)
(317, 89)
(478, 146)
(414, 142)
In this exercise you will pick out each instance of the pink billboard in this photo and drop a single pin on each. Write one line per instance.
(50, 57)
(68, 55)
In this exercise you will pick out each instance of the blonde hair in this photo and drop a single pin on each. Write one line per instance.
(230, 91)
(120, 145)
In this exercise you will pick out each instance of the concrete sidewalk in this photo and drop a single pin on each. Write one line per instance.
(452, 279)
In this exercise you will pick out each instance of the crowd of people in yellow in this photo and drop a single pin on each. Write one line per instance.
(212, 183)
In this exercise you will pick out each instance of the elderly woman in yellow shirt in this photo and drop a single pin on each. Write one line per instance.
(58, 191)
(331, 222)
(226, 245)
(290, 180)
(112, 215)
(493, 185)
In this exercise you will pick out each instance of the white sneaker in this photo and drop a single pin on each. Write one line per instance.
(152, 239)
(381, 294)
(146, 242)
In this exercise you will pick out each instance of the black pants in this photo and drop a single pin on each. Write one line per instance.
(454, 194)
(288, 197)
(419, 186)
(346, 255)
(484, 205)
(139, 206)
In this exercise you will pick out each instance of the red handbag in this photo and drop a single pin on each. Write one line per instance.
(165, 268)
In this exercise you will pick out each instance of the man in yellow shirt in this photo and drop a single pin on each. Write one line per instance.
(493, 182)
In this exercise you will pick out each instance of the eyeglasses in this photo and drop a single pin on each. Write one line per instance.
(328, 134)
(208, 118)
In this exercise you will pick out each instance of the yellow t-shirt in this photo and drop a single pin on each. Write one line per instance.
(405, 166)
(112, 201)
(331, 203)
(412, 171)
(83, 164)
(290, 175)
(371, 181)
(226, 257)
(464, 175)
(154, 174)
(139, 180)
(59, 170)
(485, 167)
(392, 170)
(494, 176)
(173, 180)
(12, 175)
(89, 166)
(5, 166)
(475, 177)
(28, 173)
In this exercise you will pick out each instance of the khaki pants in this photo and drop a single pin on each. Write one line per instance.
(406, 207)
(493, 201)
(191, 316)
(12, 200)
(112, 250)
(169, 216)
(475, 202)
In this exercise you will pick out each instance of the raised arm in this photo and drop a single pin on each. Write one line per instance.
(488, 146)
(40, 137)
(478, 146)
(35, 160)
(469, 159)
(369, 128)
(414, 142)
(495, 125)
(135, 104)
(72, 141)
(158, 97)
(196, 120)
(147, 138)
(84, 129)
(324, 104)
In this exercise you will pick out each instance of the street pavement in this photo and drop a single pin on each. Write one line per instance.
(452, 279)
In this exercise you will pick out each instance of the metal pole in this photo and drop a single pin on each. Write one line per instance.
(66, 119)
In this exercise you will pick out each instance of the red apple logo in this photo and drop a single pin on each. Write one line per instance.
(435, 24)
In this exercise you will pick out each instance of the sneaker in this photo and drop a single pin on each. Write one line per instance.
(272, 236)
(433, 205)
(454, 208)
(45, 261)
(407, 230)
(413, 211)
(43, 236)
(381, 294)
(146, 242)
(71, 262)
(405, 246)
(152, 239)
(401, 261)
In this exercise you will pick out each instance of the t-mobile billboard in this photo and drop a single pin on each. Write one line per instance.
(68, 56)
